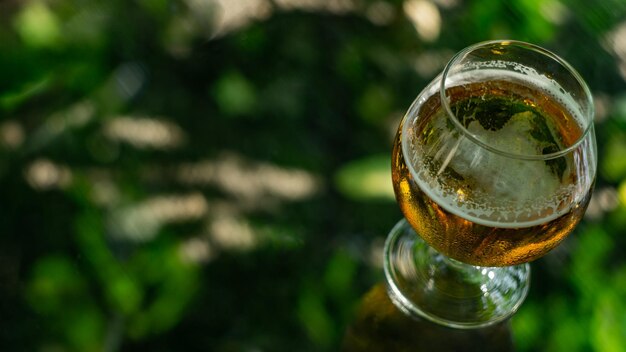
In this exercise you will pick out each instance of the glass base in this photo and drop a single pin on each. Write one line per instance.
(424, 283)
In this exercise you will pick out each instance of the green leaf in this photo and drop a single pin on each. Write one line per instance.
(589, 260)
(366, 179)
(235, 95)
(608, 322)
(55, 282)
(38, 26)
(339, 276)
(12, 99)
(375, 104)
(613, 164)
(314, 317)
(528, 325)
(122, 291)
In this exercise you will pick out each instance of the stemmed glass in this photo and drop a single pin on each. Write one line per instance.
(493, 166)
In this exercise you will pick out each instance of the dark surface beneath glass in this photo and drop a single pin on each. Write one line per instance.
(214, 175)
(379, 326)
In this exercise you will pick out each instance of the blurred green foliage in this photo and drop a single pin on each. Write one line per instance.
(214, 175)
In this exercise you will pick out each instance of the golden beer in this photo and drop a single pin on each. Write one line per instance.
(498, 207)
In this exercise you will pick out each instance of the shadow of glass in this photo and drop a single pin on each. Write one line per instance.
(380, 326)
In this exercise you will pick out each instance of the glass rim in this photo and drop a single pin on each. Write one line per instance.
(589, 99)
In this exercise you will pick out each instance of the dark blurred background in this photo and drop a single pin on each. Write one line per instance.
(213, 175)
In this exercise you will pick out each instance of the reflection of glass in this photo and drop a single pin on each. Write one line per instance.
(493, 166)
(379, 326)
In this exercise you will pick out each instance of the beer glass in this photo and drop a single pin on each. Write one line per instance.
(493, 166)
